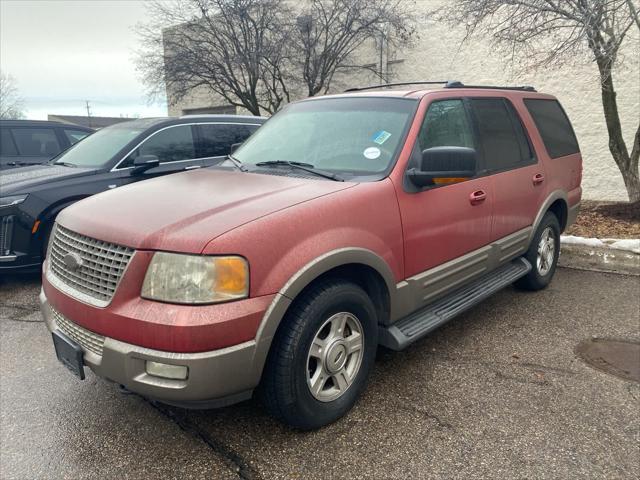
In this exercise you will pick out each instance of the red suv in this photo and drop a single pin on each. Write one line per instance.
(344, 223)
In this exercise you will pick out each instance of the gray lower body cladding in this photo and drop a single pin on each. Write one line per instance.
(418, 324)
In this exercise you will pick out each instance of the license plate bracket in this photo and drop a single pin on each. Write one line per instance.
(69, 353)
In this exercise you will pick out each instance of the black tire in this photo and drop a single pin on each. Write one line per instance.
(284, 389)
(535, 279)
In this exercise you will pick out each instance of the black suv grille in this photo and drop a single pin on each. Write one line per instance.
(6, 232)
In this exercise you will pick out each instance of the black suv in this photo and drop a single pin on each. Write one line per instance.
(31, 197)
(33, 142)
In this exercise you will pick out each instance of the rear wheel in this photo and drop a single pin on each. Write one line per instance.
(543, 254)
(321, 356)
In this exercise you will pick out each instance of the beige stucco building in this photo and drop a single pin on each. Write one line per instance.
(440, 54)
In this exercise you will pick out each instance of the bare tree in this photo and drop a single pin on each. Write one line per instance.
(235, 48)
(257, 54)
(11, 103)
(552, 32)
(331, 31)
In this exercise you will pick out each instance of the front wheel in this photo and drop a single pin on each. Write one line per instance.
(321, 356)
(543, 254)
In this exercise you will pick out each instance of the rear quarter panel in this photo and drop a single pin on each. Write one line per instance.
(562, 173)
(279, 245)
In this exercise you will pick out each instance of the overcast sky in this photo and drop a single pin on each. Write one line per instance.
(63, 52)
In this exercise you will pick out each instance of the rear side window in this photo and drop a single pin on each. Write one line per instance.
(216, 139)
(7, 148)
(75, 136)
(446, 125)
(503, 139)
(554, 127)
(36, 142)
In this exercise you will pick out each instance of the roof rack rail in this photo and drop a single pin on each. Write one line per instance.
(446, 83)
(526, 88)
(401, 84)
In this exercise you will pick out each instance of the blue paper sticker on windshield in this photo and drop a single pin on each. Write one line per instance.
(380, 137)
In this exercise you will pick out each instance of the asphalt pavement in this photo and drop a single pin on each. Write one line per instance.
(496, 393)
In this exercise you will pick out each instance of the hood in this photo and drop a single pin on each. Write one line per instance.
(185, 211)
(24, 179)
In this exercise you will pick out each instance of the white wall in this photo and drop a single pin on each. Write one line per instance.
(439, 55)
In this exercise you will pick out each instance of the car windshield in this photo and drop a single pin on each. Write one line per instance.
(98, 149)
(352, 136)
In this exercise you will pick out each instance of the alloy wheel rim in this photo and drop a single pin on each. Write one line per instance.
(546, 251)
(335, 356)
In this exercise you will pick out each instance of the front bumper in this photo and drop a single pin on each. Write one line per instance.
(215, 378)
(19, 263)
(19, 248)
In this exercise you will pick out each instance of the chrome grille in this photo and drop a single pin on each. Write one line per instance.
(6, 232)
(85, 338)
(102, 264)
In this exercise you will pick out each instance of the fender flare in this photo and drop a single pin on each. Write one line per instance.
(301, 279)
(52, 212)
(331, 260)
(551, 198)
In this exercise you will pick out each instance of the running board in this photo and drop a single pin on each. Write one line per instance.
(416, 325)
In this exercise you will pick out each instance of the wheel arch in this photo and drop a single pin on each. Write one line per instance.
(47, 217)
(358, 265)
(54, 209)
(561, 210)
(556, 202)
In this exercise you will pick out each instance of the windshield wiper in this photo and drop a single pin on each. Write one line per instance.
(307, 167)
(237, 163)
(66, 164)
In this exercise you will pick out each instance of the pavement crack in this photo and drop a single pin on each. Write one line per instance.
(21, 312)
(412, 408)
(630, 388)
(237, 463)
(22, 320)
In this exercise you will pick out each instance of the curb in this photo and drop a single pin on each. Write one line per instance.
(599, 259)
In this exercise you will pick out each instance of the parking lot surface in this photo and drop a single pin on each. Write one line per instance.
(496, 393)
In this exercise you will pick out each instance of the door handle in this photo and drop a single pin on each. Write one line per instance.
(477, 197)
(538, 178)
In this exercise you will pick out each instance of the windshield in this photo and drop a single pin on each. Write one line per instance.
(353, 136)
(98, 149)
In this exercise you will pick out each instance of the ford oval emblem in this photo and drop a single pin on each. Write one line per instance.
(73, 261)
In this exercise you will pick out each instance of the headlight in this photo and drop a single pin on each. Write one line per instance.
(179, 278)
(12, 200)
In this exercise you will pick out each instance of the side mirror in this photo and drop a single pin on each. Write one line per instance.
(235, 147)
(444, 165)
(143, 163)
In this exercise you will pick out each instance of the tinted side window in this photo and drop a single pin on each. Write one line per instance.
(554, 127)
(526, 150)
(170, 145)
(36, 142)
(217, 139)
(75, 136)
(7, 148)
(446, 125)
(498, 134)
